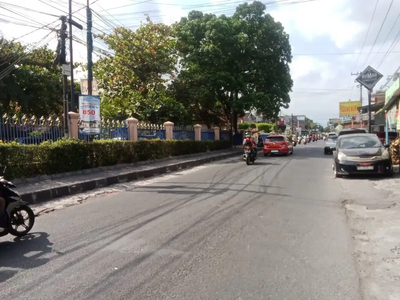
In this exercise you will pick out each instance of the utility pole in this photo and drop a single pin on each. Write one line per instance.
(369, 111)
(292, 124)
(89, 49)
(61, 60)
(71, 53)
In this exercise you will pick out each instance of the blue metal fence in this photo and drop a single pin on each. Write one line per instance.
(225, 135)
(207, 135)
(183, 133)
(148, 131)
(30, 130)
(116, 130)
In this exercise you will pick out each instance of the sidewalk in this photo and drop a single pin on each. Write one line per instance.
(45, 188)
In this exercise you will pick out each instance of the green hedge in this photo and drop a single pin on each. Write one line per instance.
(24, 161)
(265, 127)
(245, 126)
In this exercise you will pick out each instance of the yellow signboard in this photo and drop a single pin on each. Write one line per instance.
(349, 108)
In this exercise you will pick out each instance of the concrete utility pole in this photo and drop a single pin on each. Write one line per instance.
(61, 60)
(89, 49)
(71, 53)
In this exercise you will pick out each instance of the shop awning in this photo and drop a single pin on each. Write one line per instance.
(374, 107)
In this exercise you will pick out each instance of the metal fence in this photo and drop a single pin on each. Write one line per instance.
(30, 130)
(183, 133)
(225, 135)
(110, 129)
(148, 131)
(207, 135)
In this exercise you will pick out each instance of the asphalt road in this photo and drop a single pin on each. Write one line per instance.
(273, 230)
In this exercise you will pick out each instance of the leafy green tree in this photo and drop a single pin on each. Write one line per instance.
(134, 81)
(30, 83)
(233, 64)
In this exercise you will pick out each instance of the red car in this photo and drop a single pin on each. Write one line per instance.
(277, 144)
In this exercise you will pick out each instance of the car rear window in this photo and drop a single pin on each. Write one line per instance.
(274, 139)
(351, 132)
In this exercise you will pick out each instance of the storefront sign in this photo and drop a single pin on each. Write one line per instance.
(392, 90)
(89, 113)
(335, 121)
(349, 108)
(398, 118)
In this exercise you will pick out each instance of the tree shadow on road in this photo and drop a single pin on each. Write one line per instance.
(23, 253)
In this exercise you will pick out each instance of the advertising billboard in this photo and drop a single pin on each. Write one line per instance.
(349, 108)
(89, 113)
(392, 90)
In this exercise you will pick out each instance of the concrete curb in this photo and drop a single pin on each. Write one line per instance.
(48, 194)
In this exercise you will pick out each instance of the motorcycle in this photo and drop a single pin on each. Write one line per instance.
(11, 218)
(249, 155)
(294, 143)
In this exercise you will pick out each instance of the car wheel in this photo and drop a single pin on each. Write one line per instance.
(335, 174)
(391, 172)
(265, 154)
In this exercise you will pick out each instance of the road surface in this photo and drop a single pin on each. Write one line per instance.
(273, 230)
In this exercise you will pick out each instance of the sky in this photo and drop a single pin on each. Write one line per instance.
(330, 39)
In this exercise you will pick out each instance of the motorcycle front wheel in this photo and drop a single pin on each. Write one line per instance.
(248, 160)
(19, 217)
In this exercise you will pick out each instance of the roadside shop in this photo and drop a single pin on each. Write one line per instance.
(392, 118)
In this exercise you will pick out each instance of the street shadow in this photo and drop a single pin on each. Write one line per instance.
(370, 177)
(23, 253)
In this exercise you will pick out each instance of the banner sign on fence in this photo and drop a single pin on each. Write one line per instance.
(89, 113)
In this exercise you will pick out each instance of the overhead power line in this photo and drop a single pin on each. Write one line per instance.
(379, 32)
(387, 36)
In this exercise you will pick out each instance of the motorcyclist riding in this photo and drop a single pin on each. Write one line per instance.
(249, 141)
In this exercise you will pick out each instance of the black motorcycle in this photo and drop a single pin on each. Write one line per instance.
(249, 155)
(17, 212)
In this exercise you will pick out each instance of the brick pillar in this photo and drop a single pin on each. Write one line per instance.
(132, 128)
(73, 129)
(169, 130)
(217, 133)
(197, 132)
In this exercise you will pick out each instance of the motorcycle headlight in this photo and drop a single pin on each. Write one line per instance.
(342, 156)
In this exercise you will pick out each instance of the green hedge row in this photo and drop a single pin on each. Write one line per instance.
(265, 127)
(245, 126)
(24, 161)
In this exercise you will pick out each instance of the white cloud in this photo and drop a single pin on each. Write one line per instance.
(320, 18)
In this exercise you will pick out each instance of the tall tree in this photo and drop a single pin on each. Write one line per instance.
(233, 64)
(135, 79)
(30, 83)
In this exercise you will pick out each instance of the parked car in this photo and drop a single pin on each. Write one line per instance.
(330, 144)
(361, 154)
(277, 144)
(351, 131)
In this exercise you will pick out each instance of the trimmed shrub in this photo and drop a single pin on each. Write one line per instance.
(265, 127)
(245, 126)
(24, 161)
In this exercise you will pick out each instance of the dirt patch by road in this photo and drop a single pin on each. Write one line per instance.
(376, 232)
